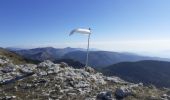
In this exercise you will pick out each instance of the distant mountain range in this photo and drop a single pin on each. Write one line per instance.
(97, 59)
(148, 72)
(100, 59)
(47, 53)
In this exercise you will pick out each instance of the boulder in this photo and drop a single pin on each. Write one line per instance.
(63, 65)
(89, 69)
(165, 97)
(42, 73)
(27, 68)
(3, 60)
(8, 68)
(123, 92)
(46, 63)
(97, 78)
(56, 69)
(107, 95)
(5, 79)
(51, 69)
(8, 98)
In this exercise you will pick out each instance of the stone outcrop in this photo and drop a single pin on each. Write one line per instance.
(3, 60)
(123, 92)
(106, 95)
(50, 81)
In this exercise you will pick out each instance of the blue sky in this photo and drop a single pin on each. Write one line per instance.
(118, 25)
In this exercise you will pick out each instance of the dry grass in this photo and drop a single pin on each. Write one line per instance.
(16, 59)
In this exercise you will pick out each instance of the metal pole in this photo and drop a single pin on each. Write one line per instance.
(88, 51)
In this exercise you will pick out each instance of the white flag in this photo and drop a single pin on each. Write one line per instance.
(81, 30)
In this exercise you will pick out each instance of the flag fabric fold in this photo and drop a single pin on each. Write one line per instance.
(81, 30)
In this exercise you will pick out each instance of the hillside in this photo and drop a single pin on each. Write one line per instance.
(98, 59)
(148, 72)
(47, 53)
(52, 81)
(15, 58)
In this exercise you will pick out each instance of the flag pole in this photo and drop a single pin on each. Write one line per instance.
(88, 45)
(84, 31)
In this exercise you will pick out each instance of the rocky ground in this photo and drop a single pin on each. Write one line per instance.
(49, 81)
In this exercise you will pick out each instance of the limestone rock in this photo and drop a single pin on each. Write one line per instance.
(107, 95)
(114, 79)
(63, 65)
(4, 60)
(49, 81)
(46, 63)
(27, 68)
(89, 69)
(123, 92)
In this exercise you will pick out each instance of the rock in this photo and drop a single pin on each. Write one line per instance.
(8, 68)
(98, 78)
(93, 98)
(123, 92)
(42, 73)
(63, 65)
(11, 73)
(165, 97)
(83, 91)
(104, 96)
(82, 84)
(153, 97)
(40, 81)
(27, 68)
(114, 79)
(56, 69)
(4, 60)
(26, 86)
(135, 85)
(50, 72)
(46, 63)
(8, 98)
(89, 69)
(82, 72)
(140, 84)
(4, 79)
(72, 94)
(52, 69)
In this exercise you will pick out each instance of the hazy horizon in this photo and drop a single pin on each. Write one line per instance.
(137, 26)
(162, 54)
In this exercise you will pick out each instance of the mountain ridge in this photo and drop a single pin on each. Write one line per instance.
(147, 71)
(97, 59)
